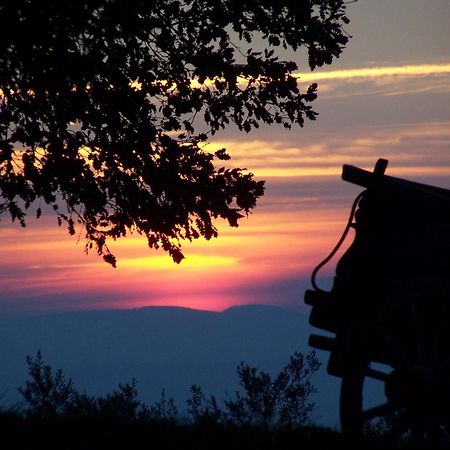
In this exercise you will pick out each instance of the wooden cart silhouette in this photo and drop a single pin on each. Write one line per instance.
(390, 304)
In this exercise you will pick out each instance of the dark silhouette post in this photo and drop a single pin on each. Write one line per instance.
(389, 304)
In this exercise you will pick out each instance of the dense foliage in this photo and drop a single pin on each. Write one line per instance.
(105, 106)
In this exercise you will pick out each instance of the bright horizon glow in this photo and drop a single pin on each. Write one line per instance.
(195, 262)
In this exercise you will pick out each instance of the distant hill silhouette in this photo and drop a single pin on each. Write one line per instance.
(167, 348)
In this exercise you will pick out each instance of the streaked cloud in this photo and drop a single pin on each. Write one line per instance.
(377, 72)
(386, 81)
(407, 146)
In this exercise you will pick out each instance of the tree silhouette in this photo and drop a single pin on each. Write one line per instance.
(105, 107)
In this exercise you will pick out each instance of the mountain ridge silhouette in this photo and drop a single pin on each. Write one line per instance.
(167, 348)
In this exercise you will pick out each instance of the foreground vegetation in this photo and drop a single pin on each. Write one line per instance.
(89, 433)
(84, 434)
(267, 413)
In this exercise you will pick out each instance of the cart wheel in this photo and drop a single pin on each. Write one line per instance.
(414, 341)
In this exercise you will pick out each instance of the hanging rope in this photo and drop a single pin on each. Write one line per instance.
(337, 246)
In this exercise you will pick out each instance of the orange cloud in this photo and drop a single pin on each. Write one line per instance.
(406, 146)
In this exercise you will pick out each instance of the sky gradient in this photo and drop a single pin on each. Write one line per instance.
(388, 96)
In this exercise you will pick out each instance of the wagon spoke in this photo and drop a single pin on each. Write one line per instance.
(378, 411)
(420, 335)
(439, 350)
(376, 374)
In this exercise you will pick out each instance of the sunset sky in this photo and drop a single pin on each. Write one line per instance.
(387, 96)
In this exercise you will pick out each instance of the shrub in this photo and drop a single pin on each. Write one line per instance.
(265, 401)
(282, 401)
(47, 395)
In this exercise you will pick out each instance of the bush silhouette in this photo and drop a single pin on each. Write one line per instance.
(50, 395)
(281, 401)
(47, 395)
(202, 409)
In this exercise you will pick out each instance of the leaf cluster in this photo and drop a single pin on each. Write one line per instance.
(105, 106)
